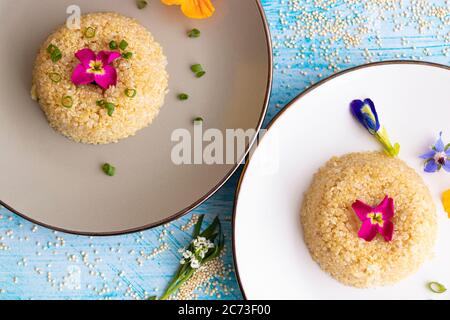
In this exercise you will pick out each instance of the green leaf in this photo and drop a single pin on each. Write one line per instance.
(185, 271)
(218, 248)
(152, 298)
(198, 227)
(210, 230)
(447, 146)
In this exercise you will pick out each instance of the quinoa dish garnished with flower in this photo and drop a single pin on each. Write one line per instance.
(102, 82)
(368, 219)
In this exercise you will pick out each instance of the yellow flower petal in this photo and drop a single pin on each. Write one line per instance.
(195, 9)
(198, 9)
(173, 2)
(446, 201)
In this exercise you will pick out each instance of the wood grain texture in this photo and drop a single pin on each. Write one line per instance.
(312, 40)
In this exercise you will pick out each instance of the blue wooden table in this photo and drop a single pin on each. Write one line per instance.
(312, 39)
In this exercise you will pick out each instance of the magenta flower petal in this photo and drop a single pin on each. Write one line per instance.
(387, 231)
(108, 79)
(81, 77)
(85, 56)
(386, 208)
(368, 231)
(108, 57)
(375, 220)
(361, 209)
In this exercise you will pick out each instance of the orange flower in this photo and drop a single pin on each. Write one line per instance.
(195, 9)
(446, 201)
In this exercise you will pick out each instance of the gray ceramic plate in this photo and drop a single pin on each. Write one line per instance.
(57, 183)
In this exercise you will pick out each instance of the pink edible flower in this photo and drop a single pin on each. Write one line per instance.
(375, 220)
(95, 68)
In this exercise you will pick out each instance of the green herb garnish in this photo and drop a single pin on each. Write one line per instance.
(55, 77)
(127, 55)
(436, 287)
(90, 32)
(194, 33)
(204, 247)
(130, 93)
(55, 53)
(198, 120)
(109, 170)
(67, 101)
(200, 74)
(113, 45)
(110, 107)
(183, 96)
(123, 45)
(198, 70)
(141, 4)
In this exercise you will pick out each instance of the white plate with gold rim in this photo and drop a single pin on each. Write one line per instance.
(272, 259)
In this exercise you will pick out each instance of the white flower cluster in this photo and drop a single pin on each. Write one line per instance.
(201, 248)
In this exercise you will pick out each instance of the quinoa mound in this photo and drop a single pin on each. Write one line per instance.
(330, 226)
(85, 121)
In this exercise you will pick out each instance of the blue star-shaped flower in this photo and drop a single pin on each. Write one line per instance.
(438, 157)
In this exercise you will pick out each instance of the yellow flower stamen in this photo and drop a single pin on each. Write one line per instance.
(96, 67)
(376, 218)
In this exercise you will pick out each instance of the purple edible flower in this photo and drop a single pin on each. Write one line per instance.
(438, 157)
(95, 68)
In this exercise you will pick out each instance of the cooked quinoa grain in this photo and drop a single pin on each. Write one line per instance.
(144, 71)
(331, 227)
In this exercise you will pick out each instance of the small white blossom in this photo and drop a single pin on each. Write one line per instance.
(187, 254)
(195, 264)
(182, 261)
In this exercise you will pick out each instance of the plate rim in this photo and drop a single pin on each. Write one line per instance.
(214, 189)
(279, 114)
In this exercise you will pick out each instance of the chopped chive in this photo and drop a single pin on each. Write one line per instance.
(113, 45)
(109, 170)
(55, 53)
(141, 4)
(110, 107)
(183, 96)
(198, 120)
(200, 74)
(130, 93)
(123, 45)
(196, 68)
(194, 33)
(55, 77)
(67, 102)
(90, 32)
(436, 287)
(127, 55)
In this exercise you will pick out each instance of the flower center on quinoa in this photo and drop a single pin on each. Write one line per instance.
(96, 67)
(376, 218)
